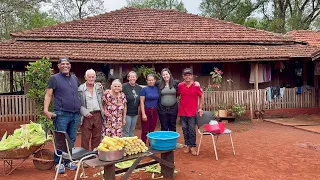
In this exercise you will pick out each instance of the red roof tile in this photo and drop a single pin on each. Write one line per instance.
(151, 53)
(150, 25)
(308, 36)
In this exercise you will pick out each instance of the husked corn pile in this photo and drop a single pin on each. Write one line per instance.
(131, 145)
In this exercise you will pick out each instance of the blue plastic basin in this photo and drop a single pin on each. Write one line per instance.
(163, 140)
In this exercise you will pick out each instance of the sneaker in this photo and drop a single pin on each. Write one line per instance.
(61, 169)
(71, 166)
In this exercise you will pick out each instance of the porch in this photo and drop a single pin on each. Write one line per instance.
(20, 109)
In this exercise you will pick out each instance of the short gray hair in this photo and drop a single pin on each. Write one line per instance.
(89, 71)
(116, 81)
(132, 73)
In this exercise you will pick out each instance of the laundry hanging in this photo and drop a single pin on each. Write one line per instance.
(264, 73)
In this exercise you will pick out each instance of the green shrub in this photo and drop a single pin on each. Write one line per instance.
(37, 76)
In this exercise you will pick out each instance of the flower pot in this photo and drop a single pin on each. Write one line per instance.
(223, 113)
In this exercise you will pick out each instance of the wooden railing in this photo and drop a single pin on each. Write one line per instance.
(258, 99)
(17, 108)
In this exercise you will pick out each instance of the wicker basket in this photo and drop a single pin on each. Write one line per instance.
(18, 153)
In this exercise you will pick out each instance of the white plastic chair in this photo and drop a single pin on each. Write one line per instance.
(205, 119)
(61, 142)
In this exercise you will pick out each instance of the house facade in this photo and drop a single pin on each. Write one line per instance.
(117, 41)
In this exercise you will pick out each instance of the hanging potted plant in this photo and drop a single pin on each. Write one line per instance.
(216, 76)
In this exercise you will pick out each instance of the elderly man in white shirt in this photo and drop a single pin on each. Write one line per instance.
(90, 94)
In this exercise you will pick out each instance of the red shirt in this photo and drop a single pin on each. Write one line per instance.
(188, 99)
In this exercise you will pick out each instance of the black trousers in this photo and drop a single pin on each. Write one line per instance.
(168, 122)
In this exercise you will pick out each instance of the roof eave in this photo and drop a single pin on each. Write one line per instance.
(153, 41)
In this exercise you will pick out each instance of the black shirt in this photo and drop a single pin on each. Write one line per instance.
(133, 98)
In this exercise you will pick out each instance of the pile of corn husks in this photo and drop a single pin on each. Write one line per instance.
(28, 135)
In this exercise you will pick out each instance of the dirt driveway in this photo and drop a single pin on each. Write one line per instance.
(264, 151)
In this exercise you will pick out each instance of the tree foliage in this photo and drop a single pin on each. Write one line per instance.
(158, 4)
(17, 15)
(67, 10)
(37, 75)
(273, 15)
(231, 10)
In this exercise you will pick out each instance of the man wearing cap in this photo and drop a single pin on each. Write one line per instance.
(66, 104)
(190, 97)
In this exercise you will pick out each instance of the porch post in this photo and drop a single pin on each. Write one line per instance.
(11, 80)
(256, 76)
(120, 73)
(256, 84)
(316, 77)
(304, 72)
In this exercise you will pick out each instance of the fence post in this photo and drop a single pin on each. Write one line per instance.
(251, 110)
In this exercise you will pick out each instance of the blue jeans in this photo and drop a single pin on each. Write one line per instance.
(189, 133)
(66, 122)
(128, 129)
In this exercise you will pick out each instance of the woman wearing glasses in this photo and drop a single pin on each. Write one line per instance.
(132, 90)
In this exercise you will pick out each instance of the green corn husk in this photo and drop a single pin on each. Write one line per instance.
(27, 135)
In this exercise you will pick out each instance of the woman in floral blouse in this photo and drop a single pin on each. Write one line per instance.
(115, 107)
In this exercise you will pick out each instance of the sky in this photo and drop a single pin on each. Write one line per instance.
(192, 6)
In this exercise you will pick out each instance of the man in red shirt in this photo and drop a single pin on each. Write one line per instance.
(190, 97)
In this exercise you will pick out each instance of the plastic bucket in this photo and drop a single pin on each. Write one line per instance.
(163, 140)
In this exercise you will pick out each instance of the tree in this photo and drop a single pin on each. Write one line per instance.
(67, 10)
(37, 75)
(303, 14)
(277, 15)
(157, 4)
(236, 11)
(17, 15)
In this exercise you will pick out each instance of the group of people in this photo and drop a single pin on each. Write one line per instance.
(114, 112)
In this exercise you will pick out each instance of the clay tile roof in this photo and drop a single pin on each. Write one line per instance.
(150, 25)
(307, 36)
(156, 53)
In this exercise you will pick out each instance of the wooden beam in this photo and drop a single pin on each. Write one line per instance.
(120, 73)
(256, 75)
(316, 77)
(11, 80)
(304, 73)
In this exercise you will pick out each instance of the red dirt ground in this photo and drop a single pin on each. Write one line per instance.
(264, 151)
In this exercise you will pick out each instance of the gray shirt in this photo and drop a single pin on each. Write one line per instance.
(168, 96)
(91, 101)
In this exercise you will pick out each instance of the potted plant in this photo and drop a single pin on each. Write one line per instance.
(215, 113)
(143, 72)
(239, 109)
(222, 110)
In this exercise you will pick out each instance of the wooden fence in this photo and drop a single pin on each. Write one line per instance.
(17, 108)
(258, 99)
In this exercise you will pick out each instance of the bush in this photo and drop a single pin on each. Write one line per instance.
(37, 76)
(239, 109)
